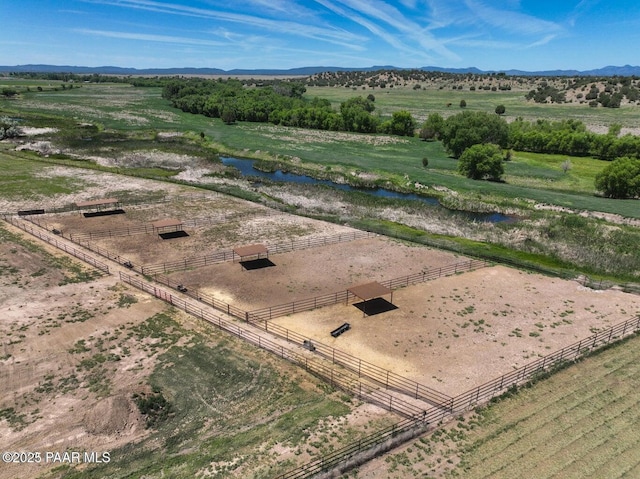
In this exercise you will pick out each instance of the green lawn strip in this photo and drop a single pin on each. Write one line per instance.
(541, 445)
(563, 426)
(27, 179)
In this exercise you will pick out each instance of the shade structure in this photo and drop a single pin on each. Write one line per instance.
(167, 223)
(251, 250)
(370, 291)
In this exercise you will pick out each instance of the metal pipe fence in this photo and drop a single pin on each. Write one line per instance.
(472, 398)
(337, 378)
(187, 223)
(309, 304)
(58, 244)
(274, 248)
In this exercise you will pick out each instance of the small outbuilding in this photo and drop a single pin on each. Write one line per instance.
(258, 255)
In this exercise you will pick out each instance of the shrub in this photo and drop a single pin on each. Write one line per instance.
(482, 162)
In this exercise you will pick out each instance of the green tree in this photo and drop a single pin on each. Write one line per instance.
(356, 115)
(463, 104)
(432, 127)
(500, 110)
(620, 178)
(482, 162)
(228, 115)
(402, 124)
(471, 128)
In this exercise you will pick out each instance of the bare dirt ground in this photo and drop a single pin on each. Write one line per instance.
(51, 400)
(451, 334)
(312, 272)
(458, 332)
(212, 231)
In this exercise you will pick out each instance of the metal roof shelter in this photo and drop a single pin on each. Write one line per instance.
(370, 291)
(167, 223)
(97, 203)
(251, 250)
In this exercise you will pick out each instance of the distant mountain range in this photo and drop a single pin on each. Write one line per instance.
(607, 71)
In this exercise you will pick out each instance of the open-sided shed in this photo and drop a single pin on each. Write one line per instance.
(169, 228)
(100, 207)
(370, 291)
(251, 250)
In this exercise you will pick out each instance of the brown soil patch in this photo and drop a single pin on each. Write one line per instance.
(47, 330)
(312, 272)
(458, 332)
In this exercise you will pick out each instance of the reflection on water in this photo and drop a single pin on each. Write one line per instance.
(246, 168)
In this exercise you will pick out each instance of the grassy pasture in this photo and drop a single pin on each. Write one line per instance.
(26, 179)
(422, 102)
(582, 422)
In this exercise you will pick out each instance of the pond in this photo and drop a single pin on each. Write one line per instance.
(246, 168)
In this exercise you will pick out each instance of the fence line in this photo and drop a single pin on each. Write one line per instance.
(71, 207)
(275, 248)
(335, 377)
(472, 398)
(187, 223)
(415, 416)
(58, 244)
(383, 377)
(309, 304)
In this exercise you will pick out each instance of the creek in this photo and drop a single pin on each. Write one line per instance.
(246, 167)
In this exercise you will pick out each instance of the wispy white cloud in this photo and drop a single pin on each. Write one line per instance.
(392, 26)
(329, 34)
(582, 8)
(150, 38)
(511, 21)
(542, 41)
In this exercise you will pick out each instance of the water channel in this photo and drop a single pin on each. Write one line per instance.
(246, 168)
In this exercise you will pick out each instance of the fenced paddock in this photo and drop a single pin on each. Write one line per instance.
(351, 456)
(531, 315)
(50, 239)
(418, 421)
(311, 273)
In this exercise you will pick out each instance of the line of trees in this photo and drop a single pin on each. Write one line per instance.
(565, 137)
(282, 103)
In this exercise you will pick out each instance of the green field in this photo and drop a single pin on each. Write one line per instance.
(582, 422)
(123, 108)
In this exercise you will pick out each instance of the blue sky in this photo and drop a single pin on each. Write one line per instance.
(488, 34)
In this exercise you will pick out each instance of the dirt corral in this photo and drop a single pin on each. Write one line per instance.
(316, 271)
(451, 334)
(209, 225)
(458, 332)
